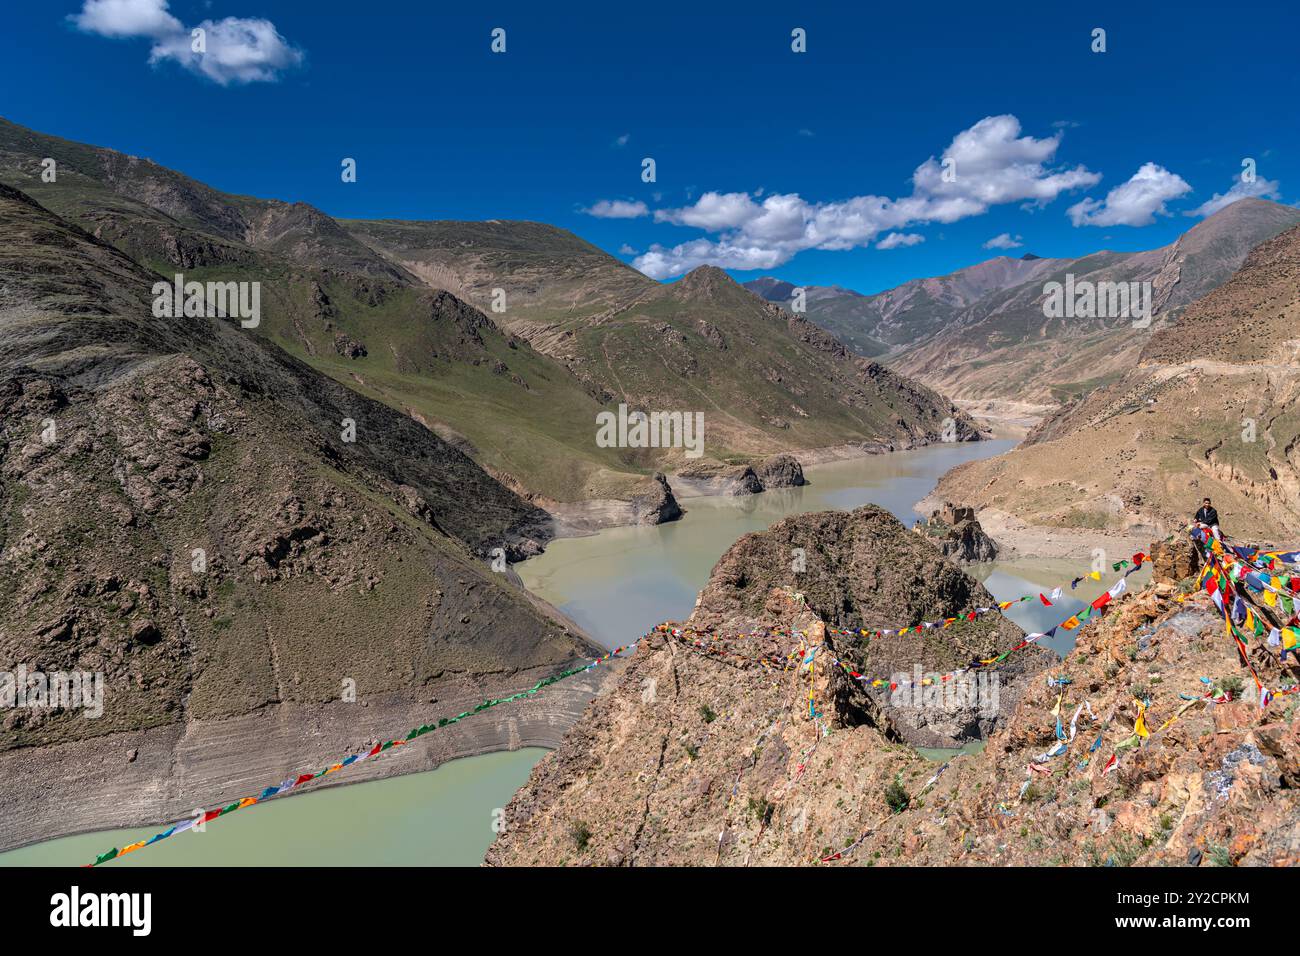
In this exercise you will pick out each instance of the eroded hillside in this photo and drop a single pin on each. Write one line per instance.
(187, 512)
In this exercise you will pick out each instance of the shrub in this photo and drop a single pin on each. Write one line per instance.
(896, 797)
(1231, 685)
(581, 834)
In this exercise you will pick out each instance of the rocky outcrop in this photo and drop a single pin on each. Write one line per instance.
(718, 478)
(712, 732)
(656, 504)
(780, 471)
(649, 501)
(706, 754)
(957, 533)
(862, 569)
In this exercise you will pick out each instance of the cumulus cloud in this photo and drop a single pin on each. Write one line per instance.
(621, 141)
(231, 50)
(1004, 241)
(1259, 189)
(989, 164)
(896, 239)
(127, 18)
(617, 209)
(992, 164)
(661, 263)
(1134, 203)
(713, 212)
(626, 250)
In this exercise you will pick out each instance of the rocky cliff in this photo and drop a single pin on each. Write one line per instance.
(717, 478)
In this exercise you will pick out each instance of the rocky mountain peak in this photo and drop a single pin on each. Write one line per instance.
(706, 280)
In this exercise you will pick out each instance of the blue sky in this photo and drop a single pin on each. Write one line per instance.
(811, 156)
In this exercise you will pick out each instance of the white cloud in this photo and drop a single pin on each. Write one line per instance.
(713, 212)
(621, 141)
(126, 18)
(626, 250)
(1134, 203)
(1004, 241)
(992, 162)
(896, 239)
(233, 50)
(617, 209)
(993, 165)
(1259, 189)
(661, 263)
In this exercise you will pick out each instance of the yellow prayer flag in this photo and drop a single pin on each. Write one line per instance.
(1140, 726)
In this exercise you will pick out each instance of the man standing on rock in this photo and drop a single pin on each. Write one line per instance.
(1210, 518)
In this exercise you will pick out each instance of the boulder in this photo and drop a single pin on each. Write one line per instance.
(780, 471)
(1174, 561)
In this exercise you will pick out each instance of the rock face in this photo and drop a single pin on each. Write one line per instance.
(1174, 561)
(717, 478)
(957, 533)
(646, 777)
(863, 569)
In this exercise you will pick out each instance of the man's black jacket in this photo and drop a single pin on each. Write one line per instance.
(1207, 516)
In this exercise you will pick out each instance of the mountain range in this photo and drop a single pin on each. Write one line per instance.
(981, 333)
(1209, 407)
(405, 312)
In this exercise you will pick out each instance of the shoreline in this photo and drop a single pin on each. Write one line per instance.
(581, 519)
(159, 776)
